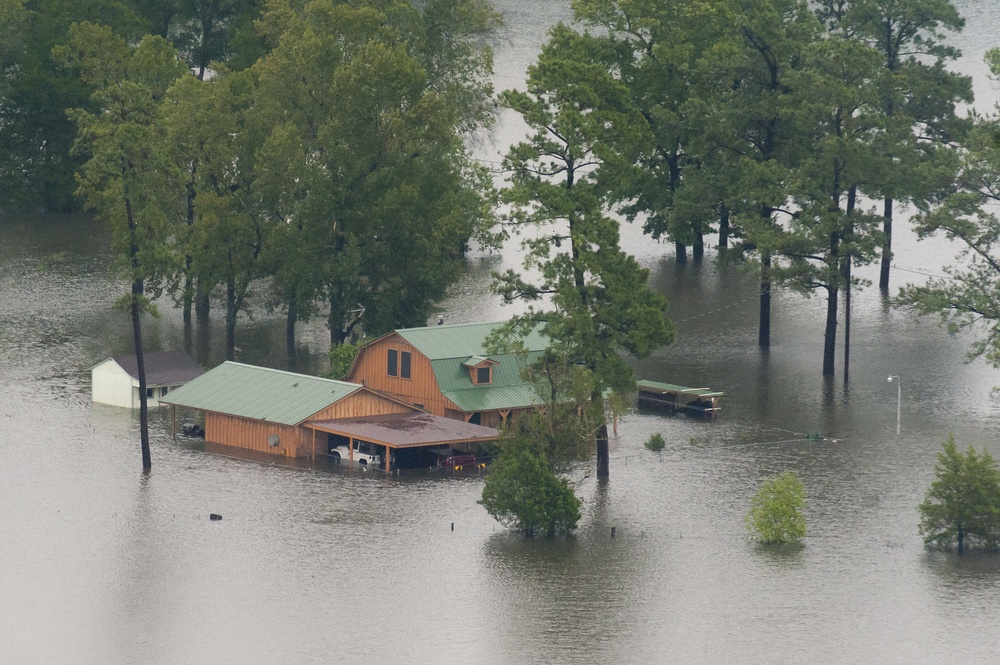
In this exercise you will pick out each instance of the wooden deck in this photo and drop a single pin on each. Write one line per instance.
(671, 397)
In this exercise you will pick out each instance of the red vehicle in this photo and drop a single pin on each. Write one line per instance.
(451, 458)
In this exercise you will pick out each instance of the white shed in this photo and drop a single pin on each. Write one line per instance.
(115, 381)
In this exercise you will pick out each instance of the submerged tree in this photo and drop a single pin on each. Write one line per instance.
(776, 510)
(590, 297)
(129, 179)
(522, 490)
(963, 503)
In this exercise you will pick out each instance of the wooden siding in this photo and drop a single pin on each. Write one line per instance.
(248, 434)
(370, 369)
(254, 434)
(361, 403)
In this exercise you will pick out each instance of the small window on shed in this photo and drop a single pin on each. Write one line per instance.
(163, 391)
(404, 364)
(484, 375)
(149, 392)
(393, 362)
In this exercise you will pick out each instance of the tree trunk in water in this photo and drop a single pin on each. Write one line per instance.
(603, 458)
(188, 280)
(230, 320)
(290, 320)
(724, 230)
(830, 337)
(698, 249)
(764, 330)
(847, 263)
(136, 312)
(140, 363)
(680, 249)
(961, 540)
(883, 278)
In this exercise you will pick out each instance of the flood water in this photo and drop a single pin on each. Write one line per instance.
(102, 565)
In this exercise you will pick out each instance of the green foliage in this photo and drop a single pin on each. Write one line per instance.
(962, 507)
(585, 135)
(36, 164)
(776, 510)
(655, 442)
(969, 297)
(341, 358)
(522, 491)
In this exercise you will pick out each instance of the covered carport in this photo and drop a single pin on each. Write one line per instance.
(401, 431)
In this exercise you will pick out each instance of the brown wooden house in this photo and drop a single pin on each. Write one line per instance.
(295, 415)
(445, 369)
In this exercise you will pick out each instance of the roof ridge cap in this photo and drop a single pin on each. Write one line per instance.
(289, 373)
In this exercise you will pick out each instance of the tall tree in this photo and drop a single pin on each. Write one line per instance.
(128, 179)
(918, 93)
(655, 48)
(589, 297)
(967, 298)
(36, 167)
(384, 190)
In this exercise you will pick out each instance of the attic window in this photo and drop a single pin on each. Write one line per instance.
(484, 375)
(398, 363)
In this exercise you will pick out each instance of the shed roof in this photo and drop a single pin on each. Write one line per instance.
(461, 340)
(656, 386)
(406, 430)
(163, 368)
(260, 393)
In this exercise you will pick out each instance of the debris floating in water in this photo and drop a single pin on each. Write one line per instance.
(214, 517)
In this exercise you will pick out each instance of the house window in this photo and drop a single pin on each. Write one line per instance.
(149, 392)
(393, 362)
(483, 375)
(163, 391)
(404, 364)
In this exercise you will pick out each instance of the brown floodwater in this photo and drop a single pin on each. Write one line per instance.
(100, 564)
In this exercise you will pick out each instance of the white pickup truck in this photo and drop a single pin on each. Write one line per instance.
(364, 453)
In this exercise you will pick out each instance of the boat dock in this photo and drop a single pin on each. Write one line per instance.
(671, 397)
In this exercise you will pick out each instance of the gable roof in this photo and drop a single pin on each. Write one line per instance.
(260, 393)
(461, 340)
(163, 368)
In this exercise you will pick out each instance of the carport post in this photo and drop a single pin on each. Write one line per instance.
(350, 449)
(387, 459)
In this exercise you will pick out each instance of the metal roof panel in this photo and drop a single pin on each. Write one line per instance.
(260, 393)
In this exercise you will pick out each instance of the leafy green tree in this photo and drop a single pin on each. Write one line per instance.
(776, 510)
(968, 297)
(757, 110)
(36, 164)
(655, 48)
(590, 298)
(128, 179)
(918, 95)
(366, 174)
(963, 502)
(521, 489)
(341, 358)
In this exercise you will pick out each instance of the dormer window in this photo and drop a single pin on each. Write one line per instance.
(480, 370)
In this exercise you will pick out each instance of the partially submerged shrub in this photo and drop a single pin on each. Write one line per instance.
(655, 442)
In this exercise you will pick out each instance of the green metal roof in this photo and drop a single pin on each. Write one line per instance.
(674, 388)
(460, 340)
(260, 393)
(507, 391)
